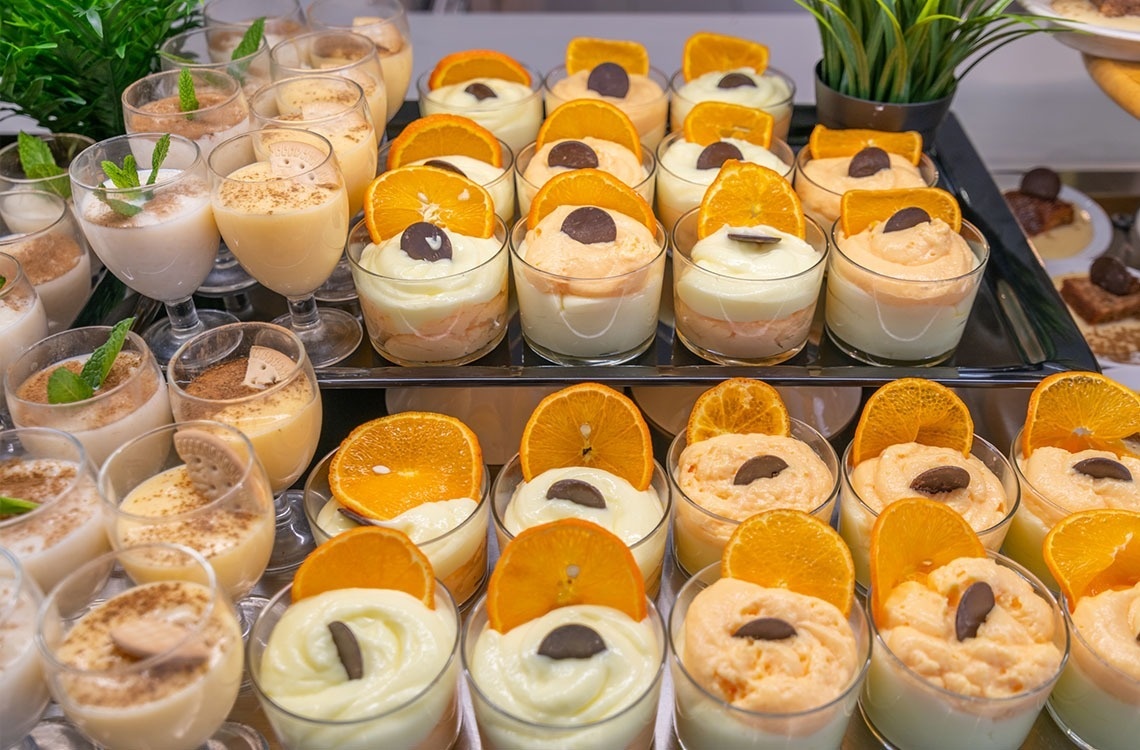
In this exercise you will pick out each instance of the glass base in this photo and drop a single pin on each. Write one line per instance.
(56, 733)
(574, 360)
(723, 359)
(227, 276)
(335, 338)
(873, 359)
(293, 541)
(164, 342)
(340, 286)
(1073, 736)
(234, 736)
(874, 730)
(248, 608)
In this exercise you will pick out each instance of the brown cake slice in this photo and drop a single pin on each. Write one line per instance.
(1036, 205)
(1108, 293)
(1115, 8)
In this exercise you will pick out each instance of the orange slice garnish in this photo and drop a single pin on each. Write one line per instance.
(579, 118)
(912, 410)
(746, 195)
(826, 143)
(586, 53)
(790, 549)
(368, 557)
(444, 135)
(1093, 551)
(912, 537)
(712, 121)
(391, 464)
(561, 564)
(706, 52)
(403, 196)
(589, 187)
(588, 424)
(738, 406)
(477, 63)
(859, 209)
(1081, 410)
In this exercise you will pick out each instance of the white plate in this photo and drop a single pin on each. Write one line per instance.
(1088, 37)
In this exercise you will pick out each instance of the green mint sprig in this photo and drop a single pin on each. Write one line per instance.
(250, 40)
(14, 506)
(38, 164)
(3, 281)
(65, 387)
(126, 177)
(187, 99)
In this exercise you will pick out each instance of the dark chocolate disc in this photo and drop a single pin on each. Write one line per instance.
(756, 239)
(590, 226)
(941, 479)
(973, 608)
(1041, 182)
(1111, 275)
(425, 241)
(905, 218)
(734, 81)
(573, 641)
(1099, 467)
(759, 467)
(481, 91)
(716, 154)
(441, 164)
(572, 155)
(869, 161)
(766, 629)
(347, 649)
(609, 79)
(578, 492)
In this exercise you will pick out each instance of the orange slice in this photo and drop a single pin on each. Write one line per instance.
(589, 187)
(477, 63)
(369, 557)
(746, 195)
(586, 53)
(401, 197)
(1081, 410)
(588, 424)
(826, 143)
(561, 564)
(912, 537)
(711, 121)
(706, 52)
(1094, 551)
(444, 135)
(738, 406)
(859, 209)
(912, 410)
(578, 118)
(391, 464)
(792, 550)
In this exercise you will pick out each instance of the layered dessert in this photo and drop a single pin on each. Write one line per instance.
(769, 90)
(821, 182)
(23, 320)
(537, 166)
(21, 678)
(154, 105)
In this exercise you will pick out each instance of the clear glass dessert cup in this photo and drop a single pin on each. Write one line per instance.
(149, 495)
(648, 551)
(890, 321)
(583, 321)
(740, 321)
(288, 228)
(177, 691)
(631, 728)
(428, 719)
(212, 48)
(385, 22)
(515, 122)
(449, 320)
(21, 677)
(63, 146)
(458, 556)
(118, 411)
(500, 186)
(1035, 516)
(781, 110)
(704, 720)
(699, 535)
(856, 517)
(649, 116)
(903, 710)
(526, 189)
(23, 320)
(284, 19)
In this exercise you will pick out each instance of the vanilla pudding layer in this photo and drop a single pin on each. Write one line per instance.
(514, 114)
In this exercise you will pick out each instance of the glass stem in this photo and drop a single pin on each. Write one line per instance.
(303, 313)
(183, 317)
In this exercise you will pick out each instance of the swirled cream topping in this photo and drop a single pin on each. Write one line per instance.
(1050, 471)
(1109, 622)
(928, 251)
(549, 248)
(768, 89)
(612, 157)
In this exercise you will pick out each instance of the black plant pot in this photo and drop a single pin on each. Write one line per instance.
(836, 110)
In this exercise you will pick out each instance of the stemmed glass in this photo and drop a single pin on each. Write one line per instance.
(21, 679)
(282, 207)
(160, 240)
(283, 18)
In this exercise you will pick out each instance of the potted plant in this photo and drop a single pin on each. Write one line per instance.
(895, 64)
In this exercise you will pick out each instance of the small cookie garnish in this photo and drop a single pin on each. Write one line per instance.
(571, 641)
(266, 366)
(213, 466)
(149, 636)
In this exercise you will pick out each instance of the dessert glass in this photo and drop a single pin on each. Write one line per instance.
(429, 719)
(822, 203)
(742, 321)
(21, 677)
(177, 694)
(501, 187)
(211, 48)
(64, 147)
(902, 709)
(704, 720)
(516, 123)
(649, 117)
(458, 556)
(856, 517)
(108, 419)
(23, 320)
(649, 551)
(151, 105)
(699, 535)
(781, 111)
(284, 19)
(884, 320)
(603, 321)
(526, 189)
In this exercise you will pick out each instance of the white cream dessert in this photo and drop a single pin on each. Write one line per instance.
(768, 91)
(23, 320)
(821, 183)
(495, 180)
(512, 111)
(21, 679)
(642, 98)
(58, 267)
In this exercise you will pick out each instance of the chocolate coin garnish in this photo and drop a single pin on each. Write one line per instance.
(905, 218)
(734, 81)
(869, 161)
(1111, 275)
(1041, 182)
(359, 518)
(347, 649)
(266, 366)
(716, 154)
(755, 239)
(214, 468)
(572, 155)
(759, 467)
(441, 164)
(151, 636)
(609, 79)
(766, 629)
(590, 225)
(578, 492)
(425, 241)
(573, 641)
(973, 608)
(481, 91)
(941, 479)
(1100, 467)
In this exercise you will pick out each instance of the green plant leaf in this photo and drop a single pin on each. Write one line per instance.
(98, 365)
(14, 506)
(161, 149)
(65, 387)
(250, 40)
(187, 99)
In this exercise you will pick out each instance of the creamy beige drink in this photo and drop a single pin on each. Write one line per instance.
(771, 91)
(23, 320)
(154, 105)
(645, 99)
(21, 678)
(338, 53)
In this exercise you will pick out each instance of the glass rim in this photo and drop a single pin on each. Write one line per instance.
(813, 268)
(12, 286)
(655, 74)
(81, 461)
(275, 121)
(20, 579)
(367, 47)
(661, 236)
(979, 249)
(20, 237)
(304, 136)
(216, 78)
(924, 161)
(86, 141)
(1131, 681)
(536, 79)
(649, 163)
(180, 173)
(210, 21)
(262, 46)
(678, 135)
(769, 72)
(353, 248)
(399, 12)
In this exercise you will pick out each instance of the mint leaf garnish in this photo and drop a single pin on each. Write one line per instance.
(3, 281)
(14, 506)
(178, 59)
(118, 206)
(161, 149)
(98, 365)
(250, 40)
(126, 176)
(187, 99)
(38, 163)
(65, 387)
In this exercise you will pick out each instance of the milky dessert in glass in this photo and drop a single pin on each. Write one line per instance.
(641, 95)
(23, 320)
(770, 90)
(284, 19)
(822, 182)
(153, 105)
(21, 677)
(141, 665)
(212, 48)
(63, 148)
(535, 166)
